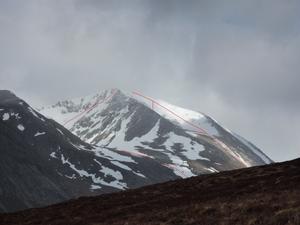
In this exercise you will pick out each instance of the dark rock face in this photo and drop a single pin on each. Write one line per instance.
(42, 163)
(28, 175)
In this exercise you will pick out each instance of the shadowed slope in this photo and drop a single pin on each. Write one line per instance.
(42, 163)
(259, 195)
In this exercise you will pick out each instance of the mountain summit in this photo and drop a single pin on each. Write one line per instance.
(188, 142)
(114, 142)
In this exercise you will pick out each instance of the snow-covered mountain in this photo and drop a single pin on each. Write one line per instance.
(188, 142)
(42, 163)
(126, 141)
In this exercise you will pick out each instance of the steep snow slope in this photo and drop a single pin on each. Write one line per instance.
(185, 141)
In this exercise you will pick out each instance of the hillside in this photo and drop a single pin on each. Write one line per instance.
(259, 195)
(42, 163)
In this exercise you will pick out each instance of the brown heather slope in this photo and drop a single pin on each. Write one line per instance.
(259, 195)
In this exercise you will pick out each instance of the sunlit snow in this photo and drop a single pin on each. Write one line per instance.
(39, 134)
(21, 127)
(5, 117)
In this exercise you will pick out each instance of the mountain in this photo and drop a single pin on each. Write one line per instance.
(123, 144)
(265, 195)
(42, 163)
(188, 142)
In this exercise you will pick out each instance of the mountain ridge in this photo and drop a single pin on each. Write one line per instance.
(42, 162)
(197, 125)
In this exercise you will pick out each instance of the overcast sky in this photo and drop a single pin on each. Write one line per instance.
(237, 61)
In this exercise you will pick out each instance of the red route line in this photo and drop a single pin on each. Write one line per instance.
(200, 130)
(135, 153)
(85, 111)
(80, 115)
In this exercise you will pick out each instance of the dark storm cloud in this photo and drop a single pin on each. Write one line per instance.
(235, 60)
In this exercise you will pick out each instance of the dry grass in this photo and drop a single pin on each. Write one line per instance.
(255, 196)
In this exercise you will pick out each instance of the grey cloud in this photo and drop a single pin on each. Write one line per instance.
(250, 70)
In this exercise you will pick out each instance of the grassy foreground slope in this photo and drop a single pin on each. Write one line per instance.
(259, 195)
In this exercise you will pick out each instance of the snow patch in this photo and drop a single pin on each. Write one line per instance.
(136, 154)
(95, 187)
(39, 134)
(179, 166)
(32, 112)
(247, 164)
(16, 115)
(123, 166)
(121, 144)
(73, 177)
(185, 118)
(109, 154)
(70, 112)
(97, 180)
(180, 171)
(211, 169)
(109, 172)
(21, 127)
(191, 149)
(5, 116)
(59, 131)
(53, 155)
